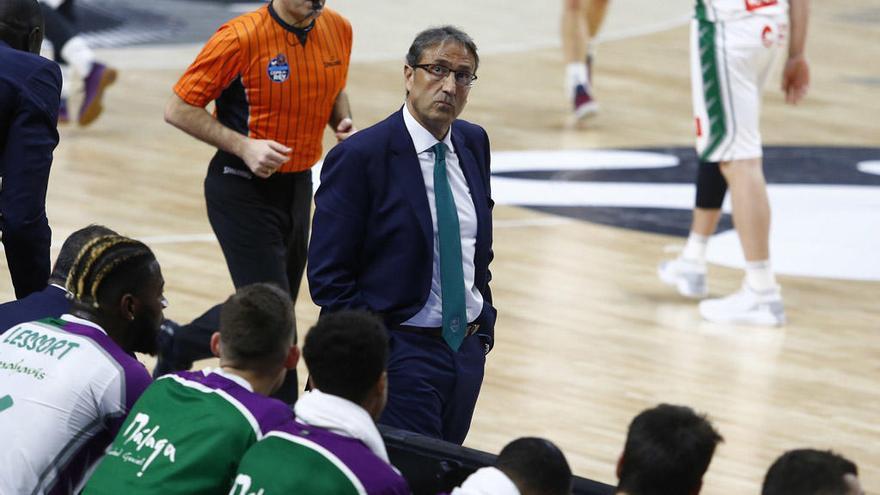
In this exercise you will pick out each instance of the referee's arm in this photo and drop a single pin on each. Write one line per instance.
(340, 117)
(262, 156)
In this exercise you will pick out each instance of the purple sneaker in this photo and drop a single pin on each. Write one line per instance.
(63, 114)
(584, 103)
(96, 82)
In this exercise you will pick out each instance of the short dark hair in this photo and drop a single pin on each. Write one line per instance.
(106, 268)
(668, 450)
(71, 248)
(17, 19)
(257, 327)
(536, 466)
(438, 35)
(808, 472)
(346, 353)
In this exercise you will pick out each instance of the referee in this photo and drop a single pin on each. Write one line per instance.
(277, 76)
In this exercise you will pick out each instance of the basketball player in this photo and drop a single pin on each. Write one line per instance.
(69, 382)
(733, 44)
(668, 450)
(581, 20)
(333, 446)
(525, 466)
(812, 472)
(277, 76)
(72, 51)
(189, 430)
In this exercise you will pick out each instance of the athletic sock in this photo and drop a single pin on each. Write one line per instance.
(575, 73)
(695, 248)
(65, 80)
(759, 276)
(79, 56)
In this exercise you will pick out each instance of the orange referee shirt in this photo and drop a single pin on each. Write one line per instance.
(268, 85)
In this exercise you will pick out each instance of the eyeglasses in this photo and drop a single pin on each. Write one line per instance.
(440, 72)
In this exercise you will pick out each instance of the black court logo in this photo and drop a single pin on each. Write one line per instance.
(825, 200)
(278, 69)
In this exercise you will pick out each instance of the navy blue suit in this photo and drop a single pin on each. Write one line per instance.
(50, 302)
(372, 248)
(30, 89)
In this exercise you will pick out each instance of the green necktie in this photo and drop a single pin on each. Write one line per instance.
(451, 268)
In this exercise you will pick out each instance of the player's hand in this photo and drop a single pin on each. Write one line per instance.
(345, 129)
(795, 79)
(264, 156)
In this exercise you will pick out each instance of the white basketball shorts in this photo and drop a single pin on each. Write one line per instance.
(730, 62)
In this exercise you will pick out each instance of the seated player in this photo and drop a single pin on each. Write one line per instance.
(52, 300)
(334, 445)
(189, 430)
(526, 466)
(68, 382)
(812, 472)
(668, 450)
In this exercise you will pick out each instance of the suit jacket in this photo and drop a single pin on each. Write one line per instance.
(49, 302)
(372, 236)
(30, 88)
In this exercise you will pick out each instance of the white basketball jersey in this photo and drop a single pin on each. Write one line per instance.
(62, 384)
(728, 10)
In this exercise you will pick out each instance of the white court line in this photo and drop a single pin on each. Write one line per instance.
(869, 167)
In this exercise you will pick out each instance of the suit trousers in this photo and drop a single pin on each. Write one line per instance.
(433, 390)
(262, 226)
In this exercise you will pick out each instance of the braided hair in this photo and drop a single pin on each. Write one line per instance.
(108, 265)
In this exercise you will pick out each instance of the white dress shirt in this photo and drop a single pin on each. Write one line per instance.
(431, 315)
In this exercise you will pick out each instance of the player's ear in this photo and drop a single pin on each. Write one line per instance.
(215, 344)
(292, 358)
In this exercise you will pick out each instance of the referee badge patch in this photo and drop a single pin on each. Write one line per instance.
(278, 68)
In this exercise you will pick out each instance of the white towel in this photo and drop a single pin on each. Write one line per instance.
(487, 481)
(340, 416)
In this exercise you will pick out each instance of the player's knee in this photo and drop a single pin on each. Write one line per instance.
(711, 186)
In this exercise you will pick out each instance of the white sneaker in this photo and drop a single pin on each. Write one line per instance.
(689, 277)
(746, 306)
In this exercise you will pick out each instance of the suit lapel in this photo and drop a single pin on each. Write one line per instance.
(474, 178)
(408, 175)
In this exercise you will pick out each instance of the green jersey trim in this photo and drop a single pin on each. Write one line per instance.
(712, 96)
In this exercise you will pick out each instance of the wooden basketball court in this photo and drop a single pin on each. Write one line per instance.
(587, 336)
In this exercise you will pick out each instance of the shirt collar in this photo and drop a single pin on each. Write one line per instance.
(80, 321)
(422, 139)
(229, 376)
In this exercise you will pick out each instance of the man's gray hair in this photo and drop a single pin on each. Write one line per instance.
(438, 35)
